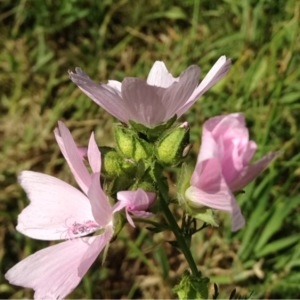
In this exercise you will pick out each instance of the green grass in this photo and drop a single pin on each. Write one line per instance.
(41, 40)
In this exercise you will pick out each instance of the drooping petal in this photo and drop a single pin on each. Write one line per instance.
(72, 155)
(216, 73)
(54, 208)
(105, 95)
(55, 271)
(210, 189)
(160, 76)
(136, 202)
(252, 171)
(101, 208)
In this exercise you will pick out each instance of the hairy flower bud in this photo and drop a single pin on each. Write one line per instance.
(130, 145)
(192, 287)
(173, 146)
(114, 165)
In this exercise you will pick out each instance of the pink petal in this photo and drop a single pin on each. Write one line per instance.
(54, 207)
(144, 101)
(105, 95)
(160, 76)
(94, 155)
(138, 200)
(210, 189)
(101, 208)
(115, 85)
(179, 92)
(96, 246)
(216, 73)
(252, 171)
(55, 271)
(72, 156)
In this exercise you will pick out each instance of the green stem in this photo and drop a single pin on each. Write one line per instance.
(178, 234)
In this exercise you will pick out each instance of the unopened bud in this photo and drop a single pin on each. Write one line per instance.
(171, 148)
(114, 165)
(130, 145)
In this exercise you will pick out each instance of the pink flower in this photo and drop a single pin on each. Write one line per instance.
(58, 211)
(137, 203)
(223, 166)
(155, 100)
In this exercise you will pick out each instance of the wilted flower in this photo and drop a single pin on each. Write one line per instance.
(58, 211)
(136, 203)
(155, 100)
(223, 166)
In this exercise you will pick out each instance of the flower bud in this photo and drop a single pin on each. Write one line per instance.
(173, 146)
(114, 165)
(130, 145)
(192, 287)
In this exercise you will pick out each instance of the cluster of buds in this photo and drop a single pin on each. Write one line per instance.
(126, 182)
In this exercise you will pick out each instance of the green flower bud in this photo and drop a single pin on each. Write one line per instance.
(130, 145)
(114, 165)
(192, 287)
(173, 146)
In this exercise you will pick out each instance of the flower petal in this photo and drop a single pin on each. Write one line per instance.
(145, 101)
(101, 208)
(216, 73)
(105, 95)
(160, 76)
(94, 155)
(55, 271)
(210, 189)
(54, 207)
(72, 155)
(138, 200)
(178, 93)
(252, 171)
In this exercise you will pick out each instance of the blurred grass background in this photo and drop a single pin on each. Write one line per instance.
(41, 40)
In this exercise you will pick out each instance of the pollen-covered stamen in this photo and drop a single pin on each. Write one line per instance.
(82, 228)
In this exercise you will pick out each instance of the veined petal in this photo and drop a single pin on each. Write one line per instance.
(55, 271)
(73, 157)
(96, 246)
(145, 101)
(252, 171)
(216, 73)
(220, 200)
(101, 208)
(94, 155)
(54, 208)
(105, 95)
(160, 76)
(178, 93)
